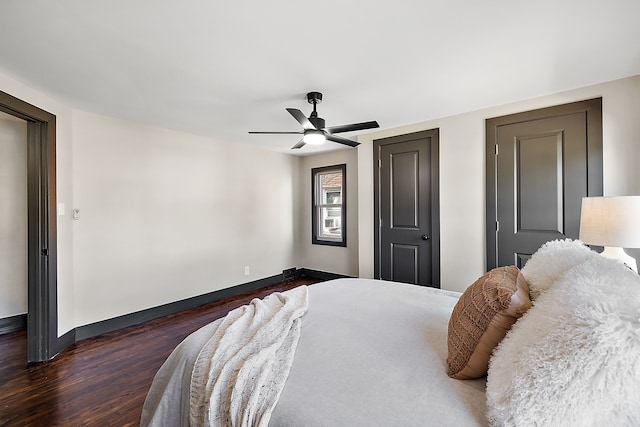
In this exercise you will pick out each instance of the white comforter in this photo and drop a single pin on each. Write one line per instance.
(370, 353)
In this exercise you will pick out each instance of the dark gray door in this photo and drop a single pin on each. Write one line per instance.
(406, 200)
(542, 167)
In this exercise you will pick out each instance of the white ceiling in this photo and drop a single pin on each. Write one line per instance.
(223, 68)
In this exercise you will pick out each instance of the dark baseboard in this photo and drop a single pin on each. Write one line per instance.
(13, 323)
(322, 275)
(110, 325)
(64, 341)
(120, 322)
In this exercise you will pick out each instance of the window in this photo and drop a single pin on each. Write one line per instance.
(328, 218)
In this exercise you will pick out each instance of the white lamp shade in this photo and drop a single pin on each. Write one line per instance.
(611, 221)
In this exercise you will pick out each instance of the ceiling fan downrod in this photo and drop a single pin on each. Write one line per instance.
(314, 98)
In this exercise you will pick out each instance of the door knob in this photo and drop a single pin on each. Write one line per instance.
(425, 237)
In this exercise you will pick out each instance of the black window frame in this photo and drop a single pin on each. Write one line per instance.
(315, 207)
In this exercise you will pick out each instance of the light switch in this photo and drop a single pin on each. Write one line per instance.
(60, 209)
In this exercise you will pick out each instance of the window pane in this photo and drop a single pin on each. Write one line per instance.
(331, 187)
(330, 223)
(333, 197)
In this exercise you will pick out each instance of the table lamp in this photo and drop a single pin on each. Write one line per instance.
(612, 222)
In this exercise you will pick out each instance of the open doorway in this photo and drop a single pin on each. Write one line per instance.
(13, 223)
(42, 307)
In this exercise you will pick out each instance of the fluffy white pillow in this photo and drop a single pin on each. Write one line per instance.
(574, 358)
(551, 261)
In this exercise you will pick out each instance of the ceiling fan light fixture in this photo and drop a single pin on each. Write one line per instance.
(314, 130)
(314, 137)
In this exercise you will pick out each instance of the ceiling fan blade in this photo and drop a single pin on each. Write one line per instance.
(301, 118)
(300, 144)
(352, 127)
(341, 140)
(277, 133)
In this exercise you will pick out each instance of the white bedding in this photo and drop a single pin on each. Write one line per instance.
(370, 353)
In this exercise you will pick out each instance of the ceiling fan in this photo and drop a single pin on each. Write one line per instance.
(313, 128)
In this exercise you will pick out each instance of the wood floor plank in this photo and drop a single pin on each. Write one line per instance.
(101, 381)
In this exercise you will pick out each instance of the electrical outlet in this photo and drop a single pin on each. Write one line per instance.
(247, 271)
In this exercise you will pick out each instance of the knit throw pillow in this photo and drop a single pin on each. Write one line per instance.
(481, 319)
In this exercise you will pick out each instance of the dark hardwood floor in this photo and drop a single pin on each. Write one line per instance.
(101, 381)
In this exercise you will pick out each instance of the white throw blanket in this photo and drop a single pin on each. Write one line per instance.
(241, 371)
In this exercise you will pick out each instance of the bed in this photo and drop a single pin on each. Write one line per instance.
(369, 352)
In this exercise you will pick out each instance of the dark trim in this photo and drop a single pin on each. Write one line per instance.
(435, 207)
(110, 325)
(593, 110)
(322, 275)
(13, 323)
(42, 313)
(66, 340)
(289, 274)
(131, 319)
(434, 136)
(314, 214)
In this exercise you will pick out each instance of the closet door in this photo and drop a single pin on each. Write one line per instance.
(540, 165)
(406, 200)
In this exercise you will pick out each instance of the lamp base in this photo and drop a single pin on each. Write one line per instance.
(620, 255)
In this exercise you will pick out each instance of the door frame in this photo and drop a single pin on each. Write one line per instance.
(434, 135)
(42, 288)
(593, 111)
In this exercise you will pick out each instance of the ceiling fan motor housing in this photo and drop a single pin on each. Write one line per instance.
(314, 97)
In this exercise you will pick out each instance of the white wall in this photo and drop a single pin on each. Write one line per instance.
(166, 215)
(163, 215)
(333, 259)
(462, 173)
(13, 216)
